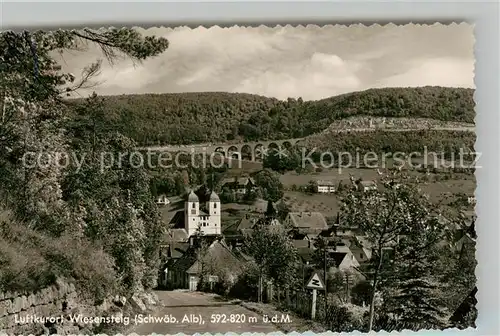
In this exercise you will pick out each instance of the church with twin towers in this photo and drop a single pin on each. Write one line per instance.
(205, 217)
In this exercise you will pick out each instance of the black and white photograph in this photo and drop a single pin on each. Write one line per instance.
(238, 179)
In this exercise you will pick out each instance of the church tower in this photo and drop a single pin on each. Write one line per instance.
(192, 213)
(214, 212)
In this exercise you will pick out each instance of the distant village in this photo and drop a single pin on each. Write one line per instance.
(196, 220)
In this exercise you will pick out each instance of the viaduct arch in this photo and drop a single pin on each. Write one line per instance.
(251, 151)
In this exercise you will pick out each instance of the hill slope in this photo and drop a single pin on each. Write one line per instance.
(186, 118)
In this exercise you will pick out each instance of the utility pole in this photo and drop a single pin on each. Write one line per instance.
(303, 277)
(326, 284)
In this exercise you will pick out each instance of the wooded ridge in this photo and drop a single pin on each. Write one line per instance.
(187, 118)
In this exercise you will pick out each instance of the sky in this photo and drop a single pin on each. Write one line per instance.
(310, 62)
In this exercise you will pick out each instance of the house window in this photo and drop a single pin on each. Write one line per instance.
(193, 211)
(215, 205)
(194, 206)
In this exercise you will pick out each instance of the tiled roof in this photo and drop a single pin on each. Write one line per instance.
(305, 253)
(367, 183)
(179, 235)
(343, 249)
(246, 222)
(246, 232)
(178, 220)
(220, 256)
(337, 257)
(328, 232)
(185, 261)
(178, 249)
(302, 243)
(311, 236)
(297, 235)
(363, 241)
(308, 220)
(169, 263)
(241, 181)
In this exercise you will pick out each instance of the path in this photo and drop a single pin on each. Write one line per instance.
(215, 313)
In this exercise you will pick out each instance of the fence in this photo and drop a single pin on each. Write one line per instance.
(334, 317)
(297, 301)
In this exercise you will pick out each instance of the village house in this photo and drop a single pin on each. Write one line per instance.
(309, 223)
(239, 185)
(216, 263)
(347, 231)
(364, 186)
(367, 186)
(360, 248)
(471, 200)
(162, 200)
(173, 252)
(173, 245)
(343, 258)
(236, 233)
(340, 254)
(324, 187)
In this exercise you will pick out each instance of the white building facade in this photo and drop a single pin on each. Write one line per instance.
(209, 222)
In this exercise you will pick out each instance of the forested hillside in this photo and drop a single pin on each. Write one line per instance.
(99, 227)
(186, 118)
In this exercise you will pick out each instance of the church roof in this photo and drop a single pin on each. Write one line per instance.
(192, 197)
(214, 197)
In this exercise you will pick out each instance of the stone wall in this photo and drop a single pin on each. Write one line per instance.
(49, 310)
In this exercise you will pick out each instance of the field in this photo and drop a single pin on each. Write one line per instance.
(440, 187)
(328, 204)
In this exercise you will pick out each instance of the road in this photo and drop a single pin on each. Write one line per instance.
(212, 311)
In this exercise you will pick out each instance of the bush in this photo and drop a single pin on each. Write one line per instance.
(246, 287)
(343, 319)
(360, 293)
(30, 260)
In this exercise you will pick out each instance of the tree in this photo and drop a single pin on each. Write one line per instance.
(282, 160)
(273, 253)
(312, 186)
(361, 292)
(126, 187)
(282, 210)
(403, 227)
(227, 196)
(250, 195)
(31, 90)
(270, 184)
(270, 211)
(321, 257)
(107, 207)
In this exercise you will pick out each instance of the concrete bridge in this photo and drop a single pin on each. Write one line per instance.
(253, 151)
